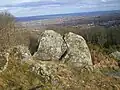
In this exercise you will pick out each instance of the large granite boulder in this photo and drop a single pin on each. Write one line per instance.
(20, 53)
(51, 46)
(78, 53)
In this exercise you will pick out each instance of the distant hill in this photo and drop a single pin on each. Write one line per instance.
(42, 17)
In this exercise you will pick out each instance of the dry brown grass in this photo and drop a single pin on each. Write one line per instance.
(101, 59)
(18, 76)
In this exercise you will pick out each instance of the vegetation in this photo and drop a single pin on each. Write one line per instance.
(10, 35)
(107, 38)
(102, 41)
(18, 76)
(6, 28)
(6, 20)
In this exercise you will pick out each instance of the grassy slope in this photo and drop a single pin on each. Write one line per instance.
(19, 77)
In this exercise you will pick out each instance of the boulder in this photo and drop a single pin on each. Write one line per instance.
(3, 61)
(51, 46)
(20, 53)
(78, 53)
(58, 74)
(116, 55)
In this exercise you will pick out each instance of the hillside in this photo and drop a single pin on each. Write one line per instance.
(73, 56)
(46, 69)
(100, 18)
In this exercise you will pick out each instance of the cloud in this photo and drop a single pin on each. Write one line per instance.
(104, 0)
(44, 7)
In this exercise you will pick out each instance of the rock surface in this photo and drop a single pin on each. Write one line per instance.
(54, 72)
(78, 53)
(116, 55)
(51, 46)
(71, 48)
(3, 61)
(20, 53)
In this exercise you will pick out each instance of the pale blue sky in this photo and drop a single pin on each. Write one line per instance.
(46, 7)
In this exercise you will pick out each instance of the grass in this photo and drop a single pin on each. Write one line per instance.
(18, 76)
(101, 59)
(96, 81)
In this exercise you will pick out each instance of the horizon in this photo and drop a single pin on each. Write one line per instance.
(26, 8)
(70, 13)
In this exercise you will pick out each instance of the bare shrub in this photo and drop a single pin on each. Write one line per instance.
(6, 28)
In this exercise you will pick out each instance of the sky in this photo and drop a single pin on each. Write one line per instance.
(21, 8)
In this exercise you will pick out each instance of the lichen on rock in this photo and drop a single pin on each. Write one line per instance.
(3, 61)
(20, 53)
(78, 53)
(51, 46)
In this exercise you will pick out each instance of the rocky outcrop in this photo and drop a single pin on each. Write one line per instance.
(51, 46)
(3, 61)
(71, 48)
(116, 55)
(54, 72)
(20, 53)
(78, 53)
